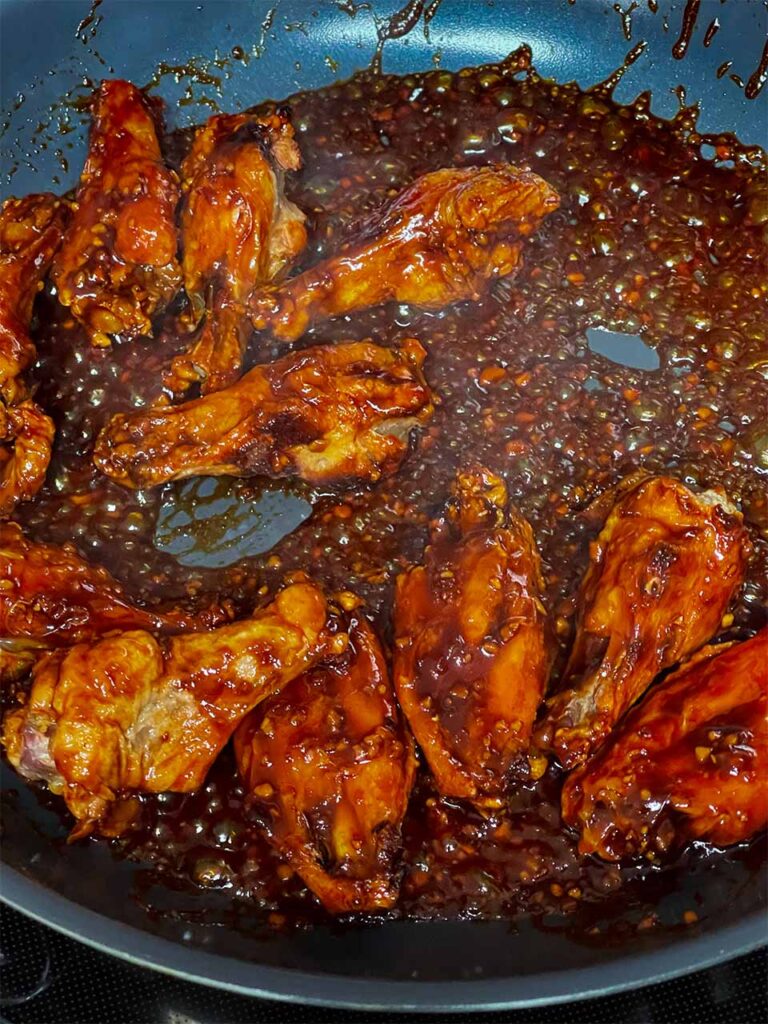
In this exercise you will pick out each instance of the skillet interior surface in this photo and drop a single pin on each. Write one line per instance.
(84, 889)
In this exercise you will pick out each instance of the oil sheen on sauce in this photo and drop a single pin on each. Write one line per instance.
(652, 241)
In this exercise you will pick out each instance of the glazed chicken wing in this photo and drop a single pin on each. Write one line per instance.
(662, 572)
(22, 468)
(322, 414)
(442, 240)
(117, 266)
(238, 231)
(52, 595)
(130, 712)
(689, 762)
(331, 767)
(470, 661)
(30, 232)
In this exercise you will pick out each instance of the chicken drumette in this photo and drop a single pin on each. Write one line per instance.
(470, 662)
(443, 239)
(52, 595)
(330, 767)
(130, 713)
(343, 411)
(689, 762)
(662, 572)
(238, 231)
(31, 230)
(117, 266)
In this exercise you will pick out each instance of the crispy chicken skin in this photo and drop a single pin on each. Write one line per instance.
(129, 712)
(238, 231)
(31, 230)
(442, 240)
(330, 765)
(689, 762)
(323, 414)
(51, 594)
(470, 661)
(117, 266)
(662, 573)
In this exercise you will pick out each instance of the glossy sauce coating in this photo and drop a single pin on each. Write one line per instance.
(324, 414)
(30, 233)
(443, 239)
(649, 237)
(471, 656)
(329, 767)
(54, 596)
(662, 573)
(691, 761)
(118, 266)
(131, 713)
(238, 231)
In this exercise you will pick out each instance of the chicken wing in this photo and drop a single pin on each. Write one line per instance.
(238, 231)
(52, 595)
(443, 239)
(31, 229)
(689, 762)
(470, 662)
(322, 414)
(130, 713)
(331, 767)
(662, 572)
(117, 266)
(22, 472)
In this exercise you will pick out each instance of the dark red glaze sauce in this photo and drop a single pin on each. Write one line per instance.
(652, 239)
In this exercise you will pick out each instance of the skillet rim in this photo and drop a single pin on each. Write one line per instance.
(289, 985)
(629, 970)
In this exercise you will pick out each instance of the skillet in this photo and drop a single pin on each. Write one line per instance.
(83, 890)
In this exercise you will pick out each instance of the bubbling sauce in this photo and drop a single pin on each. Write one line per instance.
(654, 241)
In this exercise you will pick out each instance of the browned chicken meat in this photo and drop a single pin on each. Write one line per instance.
(130, 712)
(31, 230)
(689, 762)
(470, 662)
(662, 573)
(118, 266)
(445, 238)
(51, 594)
(330, 767)
(343, 411)
(238, 232)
